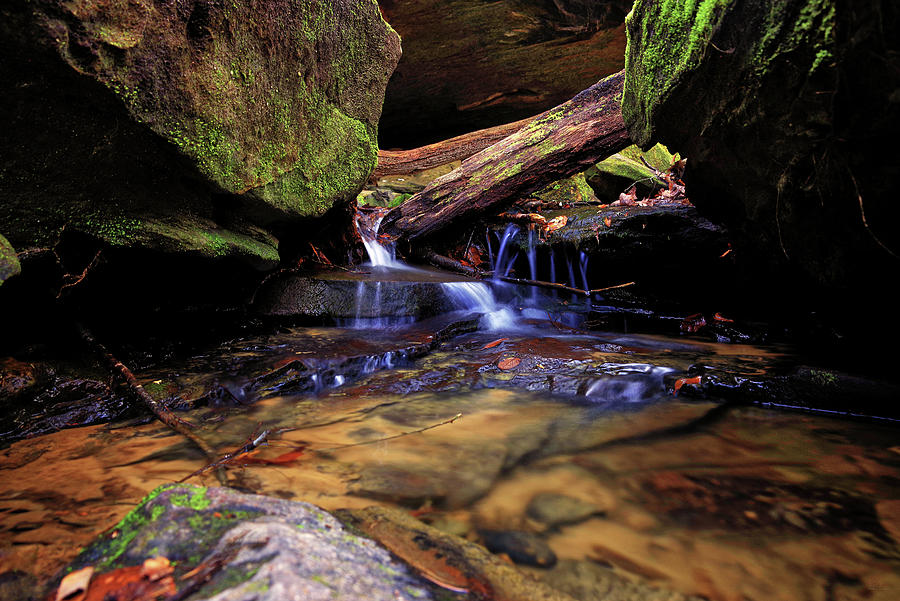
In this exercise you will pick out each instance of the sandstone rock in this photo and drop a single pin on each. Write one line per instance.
(790, 127)
(252, 547)
(469, 64)
(186, 127)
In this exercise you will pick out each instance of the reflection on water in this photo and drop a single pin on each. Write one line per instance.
(580, 443)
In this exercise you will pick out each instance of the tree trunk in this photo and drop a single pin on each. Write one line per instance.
(562, 142)
(403, 162)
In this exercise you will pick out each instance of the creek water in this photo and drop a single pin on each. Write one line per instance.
(573, 436)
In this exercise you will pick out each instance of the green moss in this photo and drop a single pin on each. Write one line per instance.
(9, 262)
(197, 501)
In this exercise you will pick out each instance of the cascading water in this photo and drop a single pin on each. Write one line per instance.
(467, 296)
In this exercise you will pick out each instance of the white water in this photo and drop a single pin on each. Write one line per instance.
(468, 296)
(478, 297)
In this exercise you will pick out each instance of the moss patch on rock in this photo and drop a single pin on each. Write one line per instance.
(9, 262)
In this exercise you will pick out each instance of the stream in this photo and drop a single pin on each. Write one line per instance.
(514, 421)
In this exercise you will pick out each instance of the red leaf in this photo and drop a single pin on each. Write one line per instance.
(693, 323)
(494, 343)
(695, 381)
(718, 317)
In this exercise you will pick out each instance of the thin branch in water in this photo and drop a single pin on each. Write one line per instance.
(394, 437)
(70, 279)
(118, 369)
(555, 286)
(257, 439)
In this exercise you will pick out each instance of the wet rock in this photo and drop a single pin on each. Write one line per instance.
(350, 296)
(782, 145)
(187, 127)
(9, 262)
(567, 192)
(626, 168)
(554, 509)
(61, 402)
(252, 547)
(799, 387)
(16, 377)
(468, 64)
(522, 547)
(459, 564)
(588, 581)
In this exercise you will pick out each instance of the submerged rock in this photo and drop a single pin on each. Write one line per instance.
(522, 547)
(251, 547)
(187, 127)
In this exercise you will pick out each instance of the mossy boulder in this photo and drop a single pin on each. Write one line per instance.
(262, 548)
(788, 113)
(198, 127)
(9, 262)
(615, 174)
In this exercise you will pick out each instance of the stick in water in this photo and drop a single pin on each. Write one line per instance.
(395, 436)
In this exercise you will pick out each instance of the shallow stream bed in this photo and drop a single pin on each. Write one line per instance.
(568, 451)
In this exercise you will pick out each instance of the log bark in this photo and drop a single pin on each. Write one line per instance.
(404, 162)
(562, 142)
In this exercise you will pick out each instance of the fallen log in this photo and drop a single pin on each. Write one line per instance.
(404, 162)
(560, 143)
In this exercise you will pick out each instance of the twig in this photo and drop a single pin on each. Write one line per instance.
(395, 436)
(158, 409)
(256, 440)
(862, 213)
(74, 280)
(555, 286)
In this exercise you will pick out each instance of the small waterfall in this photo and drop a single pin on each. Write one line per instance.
(477, 296)
(532, 265)
(582, 266)
(504, 263)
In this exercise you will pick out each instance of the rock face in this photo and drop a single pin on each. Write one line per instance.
(788, 113)
(192, 126)
(252, 547)
(469, 64)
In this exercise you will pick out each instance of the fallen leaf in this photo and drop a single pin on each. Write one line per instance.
(627, 198)
(718, 317)
(695, 381)
(509, 363)
(282, 459)
(556, 223)
(607, 221)
(494, 343)
(74, 585)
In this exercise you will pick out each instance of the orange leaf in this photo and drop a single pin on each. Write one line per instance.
(282, 459)
(718, 317)
(509, 363)
(494, 343)
(695, 381)
(607, 222)
(558, 222)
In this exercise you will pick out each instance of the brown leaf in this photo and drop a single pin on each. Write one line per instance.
(718, 317)
(607, 221)
(509, 363)
(494, 343)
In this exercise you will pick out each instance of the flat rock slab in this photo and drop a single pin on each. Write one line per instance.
(413, 293)
(252, 547)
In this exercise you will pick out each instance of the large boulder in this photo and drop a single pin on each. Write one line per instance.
(470, 64)
(194, 126)
(789, 114)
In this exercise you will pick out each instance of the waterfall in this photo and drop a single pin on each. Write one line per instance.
(478, 297)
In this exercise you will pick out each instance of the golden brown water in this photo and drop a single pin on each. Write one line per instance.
(746, 504)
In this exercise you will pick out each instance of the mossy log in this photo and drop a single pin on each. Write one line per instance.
(564, 141)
